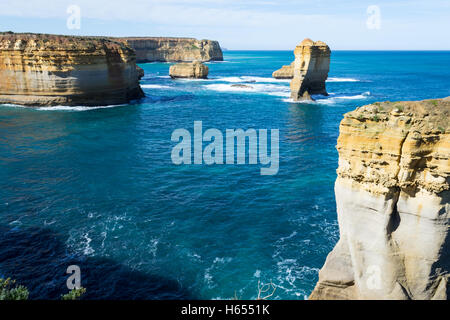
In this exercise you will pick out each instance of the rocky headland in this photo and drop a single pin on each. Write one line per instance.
(163, 49)
(392, 196)
(46, 70)
(311, 66)
(195, 70)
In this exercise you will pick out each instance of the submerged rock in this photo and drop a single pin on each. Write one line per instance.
(285, 72)
(189, 70)
(244, 86)
(150, 49)
(392, 196)
(47, 70)
(311, 66)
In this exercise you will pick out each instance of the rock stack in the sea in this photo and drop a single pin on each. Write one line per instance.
(285, 72)
(150, 49)
(194, 69)
(45, 70)
(311, 66)
(392, 196)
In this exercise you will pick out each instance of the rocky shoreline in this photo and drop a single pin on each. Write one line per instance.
(392, 195)
(48, 70)
(393, 185)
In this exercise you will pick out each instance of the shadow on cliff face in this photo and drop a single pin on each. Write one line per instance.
(38, 259)
(442, 266)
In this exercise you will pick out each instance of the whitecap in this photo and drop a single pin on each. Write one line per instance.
(88, 250)
(77, 108)
(227, 79)
(265, 79)
(153, 246)
(270, 89)
(250, 79)
(154, 86)
(63, 108)
(364, 95)
(289, 272)
(331, 99)
(335, 79)
(191, 79)
(290, 100)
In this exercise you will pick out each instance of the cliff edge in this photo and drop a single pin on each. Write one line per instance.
(151, 49)
(392, 196)
(46, 70)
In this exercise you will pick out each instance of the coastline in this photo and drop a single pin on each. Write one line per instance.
(116, 136)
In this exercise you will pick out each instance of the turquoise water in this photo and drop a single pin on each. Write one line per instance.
(96, 186)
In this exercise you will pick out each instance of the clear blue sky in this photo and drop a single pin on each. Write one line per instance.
(251, 24)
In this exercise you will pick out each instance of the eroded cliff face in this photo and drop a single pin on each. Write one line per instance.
(285, 72)
(311, 66)
(42, 69)
(189, 70)
(392, 196)
(150, 49)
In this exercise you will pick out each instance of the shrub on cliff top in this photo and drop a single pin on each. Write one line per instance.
(74, 294)
(10, 291)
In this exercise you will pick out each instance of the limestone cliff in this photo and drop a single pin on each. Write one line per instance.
(285, 72)
(311, 66)
(42, 69)
(149, 49)
(392, 196)
(189, 70)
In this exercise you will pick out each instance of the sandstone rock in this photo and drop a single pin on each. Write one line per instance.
(42, 69)
(392, 196)
(150, 49)
(140, 72)
(189, 70)
(285, 72)
(244, 86)
(311, 66)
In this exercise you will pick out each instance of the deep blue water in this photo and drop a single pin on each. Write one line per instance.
(96, 186)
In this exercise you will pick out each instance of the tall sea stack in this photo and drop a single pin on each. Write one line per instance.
(311, 66)
(48, 70)
(392, 196)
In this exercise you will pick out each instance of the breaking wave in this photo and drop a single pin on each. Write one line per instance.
(333, 79)
(250, 79)
(270, 89)
(64, 108)
(332, 98)
(154, 86)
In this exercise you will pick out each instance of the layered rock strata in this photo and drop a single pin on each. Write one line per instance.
(392, 196)
(151, 49)
(311, 66)
(189, 70)
(46, 70)
(285, 72)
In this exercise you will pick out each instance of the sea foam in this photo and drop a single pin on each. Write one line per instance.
(270, 89)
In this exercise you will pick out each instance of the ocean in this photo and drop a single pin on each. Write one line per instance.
(96, 187)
